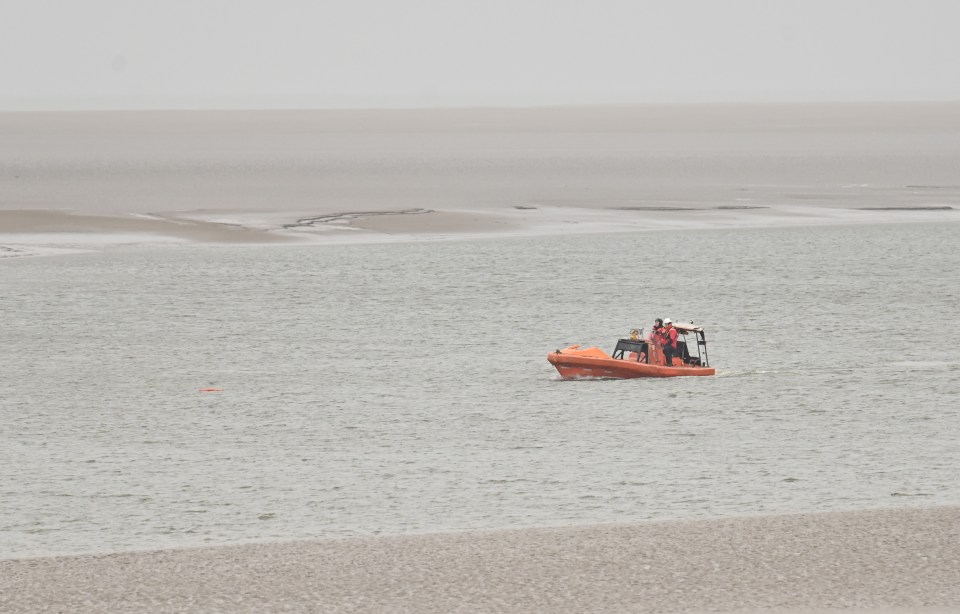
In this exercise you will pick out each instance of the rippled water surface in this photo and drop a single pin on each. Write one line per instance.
(383, 389)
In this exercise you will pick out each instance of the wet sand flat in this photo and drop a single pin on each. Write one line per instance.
(221, 176)
(905, 560)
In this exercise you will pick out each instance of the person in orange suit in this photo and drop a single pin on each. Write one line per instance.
(656, 332)
(669, 338)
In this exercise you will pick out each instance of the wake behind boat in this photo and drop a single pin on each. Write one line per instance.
(636, 357)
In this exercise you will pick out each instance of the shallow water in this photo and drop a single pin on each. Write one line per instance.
(402, 388)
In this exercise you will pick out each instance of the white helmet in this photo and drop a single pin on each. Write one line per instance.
(667, 321)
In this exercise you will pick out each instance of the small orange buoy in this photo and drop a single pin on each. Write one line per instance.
(211, 390)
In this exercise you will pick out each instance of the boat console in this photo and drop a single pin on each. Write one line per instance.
(635, 346)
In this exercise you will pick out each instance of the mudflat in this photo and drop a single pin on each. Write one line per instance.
(336, 176)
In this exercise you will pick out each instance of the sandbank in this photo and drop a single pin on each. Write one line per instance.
(904, 560)
(96, 179)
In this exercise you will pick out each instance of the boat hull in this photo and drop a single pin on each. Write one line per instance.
(573, 363)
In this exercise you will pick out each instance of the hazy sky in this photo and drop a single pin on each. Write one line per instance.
(107, 54)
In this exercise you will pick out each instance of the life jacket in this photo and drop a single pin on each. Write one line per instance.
(670, 337)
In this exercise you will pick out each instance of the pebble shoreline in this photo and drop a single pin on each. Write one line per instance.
(905, 560)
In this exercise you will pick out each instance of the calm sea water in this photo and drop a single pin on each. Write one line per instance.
(403, 388)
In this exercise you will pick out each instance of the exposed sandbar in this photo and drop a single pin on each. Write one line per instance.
(222, 176)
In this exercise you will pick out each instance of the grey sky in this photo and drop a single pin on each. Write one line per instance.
(107, 54)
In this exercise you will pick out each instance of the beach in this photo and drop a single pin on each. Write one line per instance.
(448, 494)
(881, 561)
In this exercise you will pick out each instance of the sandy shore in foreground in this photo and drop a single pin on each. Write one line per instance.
(888, 561)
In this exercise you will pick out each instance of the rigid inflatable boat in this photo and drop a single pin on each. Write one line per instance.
(635, 357)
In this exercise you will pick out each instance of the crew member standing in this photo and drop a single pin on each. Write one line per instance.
(669, 336)
(656, 332)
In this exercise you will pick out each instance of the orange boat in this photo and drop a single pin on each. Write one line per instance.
(635, 357)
